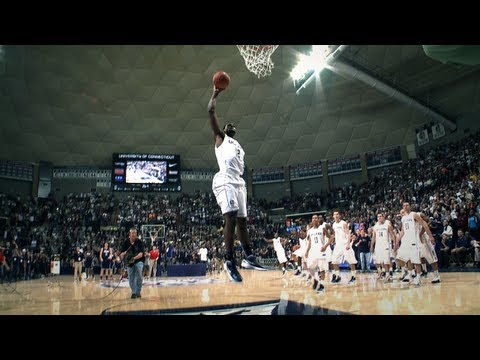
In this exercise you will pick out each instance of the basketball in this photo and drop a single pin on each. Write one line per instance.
(221, 80)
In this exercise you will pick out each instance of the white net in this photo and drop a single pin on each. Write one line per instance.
(257, 58)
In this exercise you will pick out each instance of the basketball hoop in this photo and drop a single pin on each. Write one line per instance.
(257, 58)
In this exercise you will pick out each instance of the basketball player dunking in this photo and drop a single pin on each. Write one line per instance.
(230, 191)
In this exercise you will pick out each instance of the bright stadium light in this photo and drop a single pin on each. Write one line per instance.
(309, 65)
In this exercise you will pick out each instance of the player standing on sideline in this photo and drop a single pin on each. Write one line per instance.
(343, 249)
(427, 250)
(230, 191)
(402, 252)
(380, 248)
(409, 237)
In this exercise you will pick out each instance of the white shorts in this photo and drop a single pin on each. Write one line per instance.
(282, 258)
(381, 254)
(427, 251)
(341, 252)
(321, 263)
(232, 198)
(300, 252)
(408, 250)
(402, 252)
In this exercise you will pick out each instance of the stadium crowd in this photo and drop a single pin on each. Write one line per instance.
(442, 183)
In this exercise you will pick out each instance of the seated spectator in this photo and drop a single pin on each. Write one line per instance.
(444, 251)
(447, 229)
(462, 247)
(473, 223)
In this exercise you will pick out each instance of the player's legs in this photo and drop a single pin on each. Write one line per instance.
(228, 232)
(349, 256)
(227, 200)
(241, 195)
(322, 267)
(431, 257)
(337, 258)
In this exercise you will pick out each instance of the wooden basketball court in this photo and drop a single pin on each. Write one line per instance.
(264, 292)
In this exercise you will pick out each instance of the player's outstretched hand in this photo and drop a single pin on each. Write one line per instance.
(216, 91)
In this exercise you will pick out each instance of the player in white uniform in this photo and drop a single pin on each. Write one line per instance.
(427, 250)
(280, 251)
(343, 249)
(402, 255)
(391, 241)
(300, 253)
(421, 247)
(319, 238)
(230, 191)
(381, 248)
(409, 237)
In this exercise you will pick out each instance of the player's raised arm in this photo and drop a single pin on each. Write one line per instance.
(217, 133)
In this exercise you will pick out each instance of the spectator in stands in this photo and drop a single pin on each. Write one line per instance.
(203, 253)
(462, 247)
(447, 229)
(171, 253)
(473, 223)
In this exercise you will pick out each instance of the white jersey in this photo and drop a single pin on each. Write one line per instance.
(410, 229)
(340, 236)
(382, 237)
(317, 241)
(419, 229)
(277, 244)
(303, 247)
(230, 159)
(203, 252)
(302, 243)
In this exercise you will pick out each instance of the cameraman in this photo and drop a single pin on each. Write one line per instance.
(132, 251)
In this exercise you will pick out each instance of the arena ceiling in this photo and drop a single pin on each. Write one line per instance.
(76, 105)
